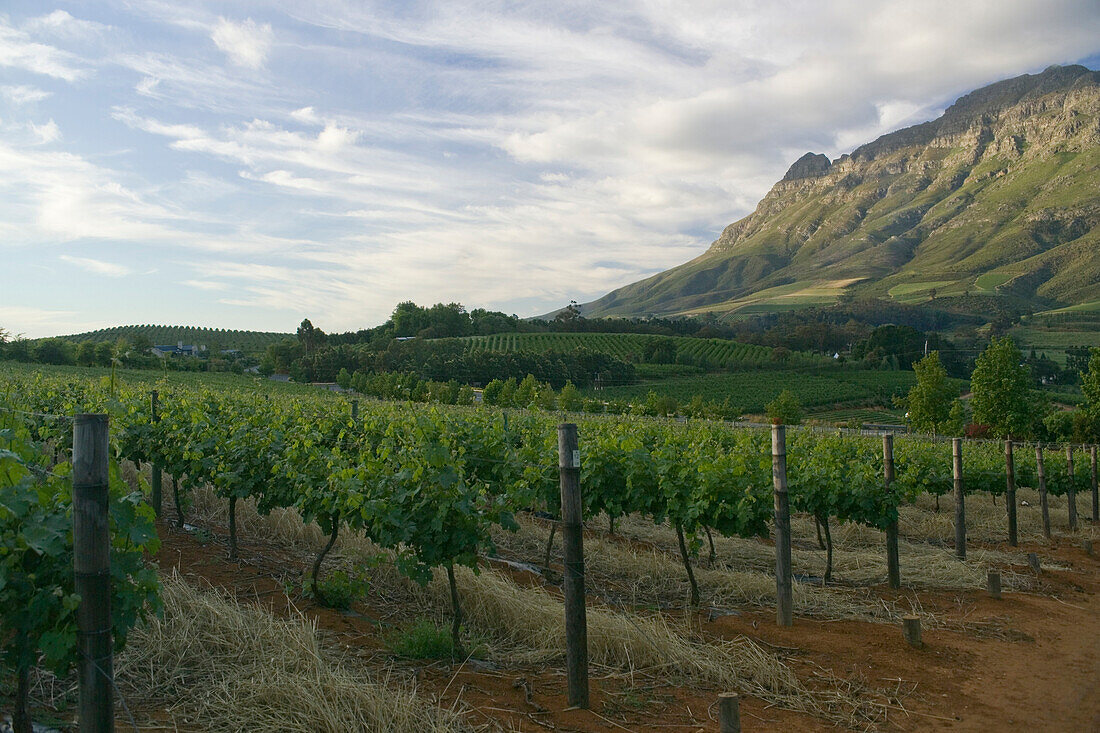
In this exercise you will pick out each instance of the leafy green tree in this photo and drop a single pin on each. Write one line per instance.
(1086, 424)
(85, 353)
(310, 337)
(930, 401)
(492, 392)
(785, 409)
(344, 379)
(105, 353)
(956, 419)
(1001, 385)
(569, 399)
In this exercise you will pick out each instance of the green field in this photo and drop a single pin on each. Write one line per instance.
(750, 391)
(714, 353)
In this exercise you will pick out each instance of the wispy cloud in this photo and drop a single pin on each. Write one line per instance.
(18, 51)
(339, 156)
(97, 267)
(23, 94)
(246, 43)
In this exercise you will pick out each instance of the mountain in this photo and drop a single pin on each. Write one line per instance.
(997, 198)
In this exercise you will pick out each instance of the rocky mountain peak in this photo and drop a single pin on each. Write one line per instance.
(809, 165)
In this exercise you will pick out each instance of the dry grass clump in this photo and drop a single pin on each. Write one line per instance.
(528, 624)
(220, 666)
(640, 575)
(859, 558)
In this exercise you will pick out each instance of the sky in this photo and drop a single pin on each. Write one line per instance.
(249, 164)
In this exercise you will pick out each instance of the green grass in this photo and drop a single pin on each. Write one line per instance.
(990, 281)
(1090, 307)
(714, 353)
(904, 289)
(424, 639)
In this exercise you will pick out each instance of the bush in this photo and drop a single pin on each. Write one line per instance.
(424, 639)
(338, 589)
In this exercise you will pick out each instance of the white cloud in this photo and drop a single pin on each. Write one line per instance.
(97, 267)
(488, 152)
(47, 132)
(33, 322)
(246, 43)
(23, 94)
(18, 51)
(62, 25)
(205, 284)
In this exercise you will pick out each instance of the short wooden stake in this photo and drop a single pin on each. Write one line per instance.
(960, 498)
(157, 477)
(1087, 547)
(354, 410)
(1095, 487)
(572, 517)
(1071, 493)
(729, 713)
(784, 605)
(1010, 493)
(1044, 504)
(893, 567)
(92, 571)
(993, 584)
(1033, 561)
(910, 628)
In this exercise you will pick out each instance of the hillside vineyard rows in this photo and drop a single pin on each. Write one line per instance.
(716, 353)
(431, 482)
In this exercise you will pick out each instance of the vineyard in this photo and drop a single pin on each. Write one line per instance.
(709, 353)
(215, 339)
(434, 529)
(752, 390)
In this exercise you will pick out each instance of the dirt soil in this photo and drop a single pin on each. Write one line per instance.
(1028, 662)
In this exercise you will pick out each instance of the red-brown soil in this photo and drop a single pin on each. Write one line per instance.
(1029, 662)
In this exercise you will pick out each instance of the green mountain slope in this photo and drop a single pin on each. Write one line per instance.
(998, 197)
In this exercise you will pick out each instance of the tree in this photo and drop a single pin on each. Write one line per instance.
(785, 409)
(569, 399)
(311, 338)
(85, 353)
(1086, 424)
(1001, 385)
(930, 400)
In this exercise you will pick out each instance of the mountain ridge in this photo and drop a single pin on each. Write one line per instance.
(999, 196)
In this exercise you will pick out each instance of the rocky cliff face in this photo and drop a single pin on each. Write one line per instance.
(999, 195)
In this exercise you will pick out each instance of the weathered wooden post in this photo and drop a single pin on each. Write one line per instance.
(576, 625)
(960, 498)
(1033, 561)
(354, 410)
(1044, 504)
(1095, 488)
(92, 571)
(993, 584)
(157, 477)
(893, 568)
(784, 600)
(1071, 492)
(729, 713)
(910, 629)
(1010, 492)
